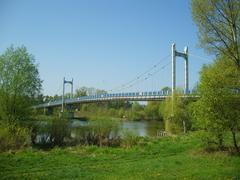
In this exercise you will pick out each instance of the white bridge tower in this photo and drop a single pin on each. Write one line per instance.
(184, 55)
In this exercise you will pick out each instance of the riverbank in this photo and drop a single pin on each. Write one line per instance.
(152, 158)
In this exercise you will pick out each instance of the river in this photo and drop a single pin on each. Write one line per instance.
(140, 128)
(76, 127)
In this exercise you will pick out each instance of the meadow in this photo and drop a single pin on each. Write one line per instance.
(177, 157)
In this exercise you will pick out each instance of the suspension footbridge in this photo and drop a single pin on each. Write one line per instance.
(132, 96)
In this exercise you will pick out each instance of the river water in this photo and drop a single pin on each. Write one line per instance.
(140, 128)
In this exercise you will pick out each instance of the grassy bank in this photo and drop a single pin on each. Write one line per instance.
(169, 158)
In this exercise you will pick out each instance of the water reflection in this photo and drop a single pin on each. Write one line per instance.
(46, 132)
(140, 128)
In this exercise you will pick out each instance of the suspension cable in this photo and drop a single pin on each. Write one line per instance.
(140, 75)
(144, 78)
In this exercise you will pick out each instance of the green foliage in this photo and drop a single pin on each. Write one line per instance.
(166, 90)
(129, 139)
(136, 115)
(59, 131)
(81, 92)
(218, 23)
(53, 131)
(19, 83)
(84, 91)
(217, 111)
(14, 137)
(137, 112)
(152, 110)
(105, 129)
(100, 132)
(122, 109)
(176, 114)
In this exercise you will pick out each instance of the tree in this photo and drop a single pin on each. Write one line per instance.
(85, 91)
(176, 115)
(20, 83)
(152, 110)
(166, 90)
(137, 112)
(218, 22)
(217, 111)
(81, 92)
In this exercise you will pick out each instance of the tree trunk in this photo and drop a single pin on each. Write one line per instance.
(220, 141)
(184, 127)
(235, 140)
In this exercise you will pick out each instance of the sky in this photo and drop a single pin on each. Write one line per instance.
(103, 43)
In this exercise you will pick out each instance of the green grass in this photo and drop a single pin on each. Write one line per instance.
(164, 158)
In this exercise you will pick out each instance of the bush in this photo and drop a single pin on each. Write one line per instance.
(129, 139)
(13, 137)
(100, 132)
(52, 132)
(209, 140)
(176, 115)
(173, 124)
(59, 131)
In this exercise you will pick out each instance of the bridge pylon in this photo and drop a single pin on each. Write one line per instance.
(63, 94)
(184, 55)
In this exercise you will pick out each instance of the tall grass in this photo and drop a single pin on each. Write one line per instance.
(52, 132)
(129, 139)
(100, 132)
(13, 137)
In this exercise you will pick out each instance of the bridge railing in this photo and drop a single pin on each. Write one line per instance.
(126, 94)
(107, 96)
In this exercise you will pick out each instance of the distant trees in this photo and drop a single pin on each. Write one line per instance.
(80, 92)
(166, 90)
(137, 112)
(124, 109)
(20, 83)
(85, 91)
(152, 110)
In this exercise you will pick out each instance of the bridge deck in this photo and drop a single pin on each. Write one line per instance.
(147, 96)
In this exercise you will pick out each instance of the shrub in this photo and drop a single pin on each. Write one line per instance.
(176, 115)
(129, 139)
(100, 132)
(13, 137)
(173, 124)
(51, 131)
(59, 131)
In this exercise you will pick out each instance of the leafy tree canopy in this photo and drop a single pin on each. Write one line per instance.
(20, 83)
(218, 22)
(217, 110)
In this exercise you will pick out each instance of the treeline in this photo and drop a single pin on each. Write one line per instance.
(122, 109)
(136, 111)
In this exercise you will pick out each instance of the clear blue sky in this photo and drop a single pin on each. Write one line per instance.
(101, 43)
